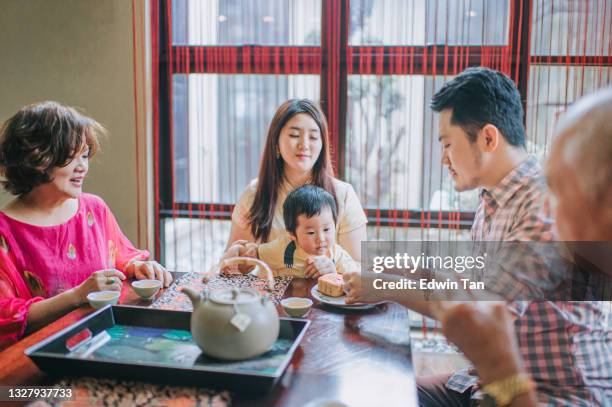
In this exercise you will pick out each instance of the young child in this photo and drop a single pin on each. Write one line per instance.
(309, 249)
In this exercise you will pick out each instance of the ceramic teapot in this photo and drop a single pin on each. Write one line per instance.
(234, 323)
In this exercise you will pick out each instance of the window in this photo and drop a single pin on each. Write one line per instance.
(551, 89)
(219, 126)
(392, 154)
(571, 28)
(239, 22)
(224, 66)
(418, 22)
(571, 55)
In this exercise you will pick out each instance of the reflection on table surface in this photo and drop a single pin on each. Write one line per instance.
(358, 357)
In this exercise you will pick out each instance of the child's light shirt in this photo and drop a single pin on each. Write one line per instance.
(286, 258)
(350, 213)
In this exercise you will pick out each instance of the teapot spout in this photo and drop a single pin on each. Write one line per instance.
(194, 296)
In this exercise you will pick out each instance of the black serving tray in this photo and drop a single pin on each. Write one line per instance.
(135, 343)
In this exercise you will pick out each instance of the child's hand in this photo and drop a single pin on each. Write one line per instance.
(319, 265)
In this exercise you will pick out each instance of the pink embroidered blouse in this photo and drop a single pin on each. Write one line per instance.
(38, 262)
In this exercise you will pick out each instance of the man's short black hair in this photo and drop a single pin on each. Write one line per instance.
(307, 200)
(480, 96)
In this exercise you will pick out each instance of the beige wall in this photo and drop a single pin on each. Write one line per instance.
(79, 52)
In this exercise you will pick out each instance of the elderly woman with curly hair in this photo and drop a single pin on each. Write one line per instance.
(57, 244)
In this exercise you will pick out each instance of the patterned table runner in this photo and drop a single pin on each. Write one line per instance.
(107, 392)
(174, 299)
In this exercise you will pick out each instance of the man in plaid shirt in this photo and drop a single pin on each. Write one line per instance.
(579, 173)
(564, 345)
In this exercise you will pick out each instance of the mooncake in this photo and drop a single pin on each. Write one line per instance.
(331, 285)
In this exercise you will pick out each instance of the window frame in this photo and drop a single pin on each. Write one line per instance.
(333, 60)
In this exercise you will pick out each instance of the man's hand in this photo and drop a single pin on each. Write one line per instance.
(359, 287)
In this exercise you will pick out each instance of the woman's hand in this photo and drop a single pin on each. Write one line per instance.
(149, 270)
(100, 280)
(319, 265)
(241, 248)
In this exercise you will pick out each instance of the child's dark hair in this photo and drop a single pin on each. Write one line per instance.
(307, 200)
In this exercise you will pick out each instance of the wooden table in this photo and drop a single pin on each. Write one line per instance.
(359, 358)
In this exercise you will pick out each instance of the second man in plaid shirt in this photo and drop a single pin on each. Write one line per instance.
(565, 345)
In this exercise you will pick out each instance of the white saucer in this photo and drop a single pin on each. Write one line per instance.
(338, 301)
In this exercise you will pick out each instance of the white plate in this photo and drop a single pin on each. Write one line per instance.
(337, 301)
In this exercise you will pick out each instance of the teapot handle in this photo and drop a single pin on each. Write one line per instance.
(256, 262)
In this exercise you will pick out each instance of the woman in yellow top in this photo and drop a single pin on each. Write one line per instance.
(309, 249)
(296, 153)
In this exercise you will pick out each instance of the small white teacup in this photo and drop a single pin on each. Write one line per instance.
(99, 299)
(146, 288)
(296, 306)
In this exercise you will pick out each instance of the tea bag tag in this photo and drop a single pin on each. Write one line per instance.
(241, 321)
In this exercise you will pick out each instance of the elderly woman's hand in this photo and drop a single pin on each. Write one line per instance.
(149, 270)
(100, 280)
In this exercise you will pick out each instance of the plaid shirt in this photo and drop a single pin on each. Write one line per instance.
(565, 346)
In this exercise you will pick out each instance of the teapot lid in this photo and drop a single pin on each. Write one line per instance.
(231, 296)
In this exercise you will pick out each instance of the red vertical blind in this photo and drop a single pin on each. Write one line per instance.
(373, 66)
